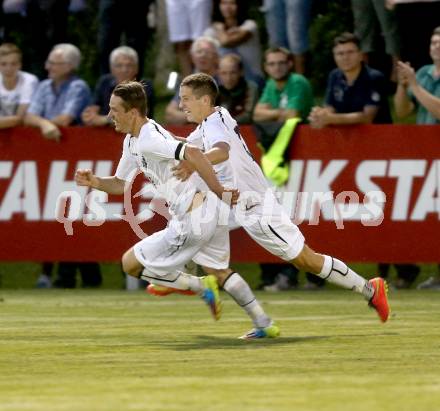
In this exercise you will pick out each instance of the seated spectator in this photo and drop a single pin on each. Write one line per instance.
(204, 54)
(237, 34)
(59, 100)
(356, 93)
(16, 86)
(187, 20)
(285, 94)
(420, 91)
(287, 24)
(236, 94)
(123, 66)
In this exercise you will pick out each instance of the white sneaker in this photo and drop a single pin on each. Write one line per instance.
(281, 284)
(432, 283)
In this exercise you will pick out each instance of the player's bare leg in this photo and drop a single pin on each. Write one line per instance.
(206, 287)
(337, 272)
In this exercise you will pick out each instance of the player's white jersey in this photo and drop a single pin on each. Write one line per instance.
(155, 152)
(221, 127)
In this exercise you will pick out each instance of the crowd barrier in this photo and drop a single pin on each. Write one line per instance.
(362, 193)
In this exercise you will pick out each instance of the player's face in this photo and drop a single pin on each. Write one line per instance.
(121, 118)
(277, 66)
(347, 56)
(192, 106)
(9, 65)
(124, 68)
(229, 74)
(434, 48)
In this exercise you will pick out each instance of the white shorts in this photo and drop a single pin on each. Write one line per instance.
(215, 254)
(167, 251)
(187, 19)
(268, 224)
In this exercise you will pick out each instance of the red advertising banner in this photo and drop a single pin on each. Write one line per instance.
(364, 193)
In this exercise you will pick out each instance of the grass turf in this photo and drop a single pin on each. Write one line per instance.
(116, 350)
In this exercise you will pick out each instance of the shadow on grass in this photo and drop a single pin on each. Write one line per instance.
(212, 342)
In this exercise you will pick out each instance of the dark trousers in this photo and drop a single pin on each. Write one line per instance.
(269, 271)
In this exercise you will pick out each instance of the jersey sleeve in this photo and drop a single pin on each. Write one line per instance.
(127, 164)
(216, 132)
(162, 148)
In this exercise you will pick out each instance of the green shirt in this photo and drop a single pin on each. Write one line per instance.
(425, 77)
(296, 95)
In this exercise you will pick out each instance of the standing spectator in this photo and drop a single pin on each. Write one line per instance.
(16, 86)
(124, 66)
(286, 95)
(59, 101)
(236, 94)
(356, 94)
(372, 18)
(287, 23)
(187, 20)
(416, 19)
(204, 54)
(413, 91)
(236, 33)
(421, 92)
(46, 22)
(118, 17)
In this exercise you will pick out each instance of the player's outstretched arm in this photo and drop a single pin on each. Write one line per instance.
(111, 185)
(202, 165)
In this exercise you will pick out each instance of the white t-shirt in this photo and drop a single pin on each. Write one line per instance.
(21, 94)
(240, 169)
(155, 152)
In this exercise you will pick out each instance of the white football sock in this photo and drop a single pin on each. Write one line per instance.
(240, 291)
(337, 272)
(179, 280)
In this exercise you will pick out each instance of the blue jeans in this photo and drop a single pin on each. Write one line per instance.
(287, 23)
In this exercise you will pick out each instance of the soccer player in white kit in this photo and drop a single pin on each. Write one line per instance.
(258, 210)
(160, 257)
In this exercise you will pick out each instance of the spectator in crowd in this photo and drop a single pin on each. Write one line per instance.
(46, 23)
(287, 24)
(124, 66)
(187, 20)
(356, 94)
(59, 101)
(286, 95)
(416, 19)
(122, 17)
(236, 33)
(372, 18)
(16, 86)
(421, 92)
(236, 94)
(204, 54)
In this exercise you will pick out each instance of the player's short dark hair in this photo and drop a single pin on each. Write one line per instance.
(345, 38)
(282, 50)
(202, 85)
(133, 95)
(436, 31)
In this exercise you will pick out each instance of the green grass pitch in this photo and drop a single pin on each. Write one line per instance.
(116, 350)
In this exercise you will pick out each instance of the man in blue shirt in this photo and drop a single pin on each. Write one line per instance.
(356, 93)
(61, 98)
